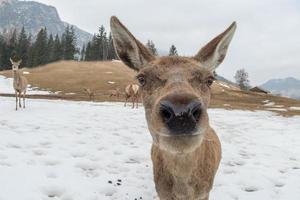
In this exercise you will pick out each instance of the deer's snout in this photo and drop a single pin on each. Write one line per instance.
(180, 115)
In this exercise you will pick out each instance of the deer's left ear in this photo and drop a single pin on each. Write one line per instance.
(213, 53)
(19, 62)
(132, 52)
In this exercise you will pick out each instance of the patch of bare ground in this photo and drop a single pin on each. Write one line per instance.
(67, 80)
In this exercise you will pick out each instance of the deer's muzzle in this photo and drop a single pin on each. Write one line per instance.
(180, 115)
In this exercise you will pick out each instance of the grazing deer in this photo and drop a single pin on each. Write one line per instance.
(90, 93)
(132, 90)
(176, 92)
(114, 93)
(20, 83)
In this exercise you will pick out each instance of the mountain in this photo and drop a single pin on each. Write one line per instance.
(289, 87)
(33, 16)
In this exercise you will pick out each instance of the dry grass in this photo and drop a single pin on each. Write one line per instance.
(234, 99)
(72, 77)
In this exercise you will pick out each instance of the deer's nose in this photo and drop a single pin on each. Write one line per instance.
(180, 118)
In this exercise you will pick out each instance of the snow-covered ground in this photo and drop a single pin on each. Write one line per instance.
(62, 150)
(6, 86)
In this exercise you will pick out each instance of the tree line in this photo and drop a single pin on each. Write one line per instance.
(101, 48)
(42, 49)
(45, 48)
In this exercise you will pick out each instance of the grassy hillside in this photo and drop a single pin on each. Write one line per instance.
(67, 79)
(70, 77)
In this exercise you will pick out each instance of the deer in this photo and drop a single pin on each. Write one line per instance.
(176, 93)
(114, 93)
(90, 93)
(132, 90)
(20, 83)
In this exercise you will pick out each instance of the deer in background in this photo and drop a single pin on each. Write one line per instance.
(90, 93)
(176, 92)
(132, 90)
(114, 93)
(20, 83)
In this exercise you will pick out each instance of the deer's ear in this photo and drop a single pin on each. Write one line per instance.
(11, 61)
(213, 53)
(19, 62)
(132, 52)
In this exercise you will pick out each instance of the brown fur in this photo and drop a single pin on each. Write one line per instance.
(189, 176)
(130, 93)
(20, 83)
(184, 166)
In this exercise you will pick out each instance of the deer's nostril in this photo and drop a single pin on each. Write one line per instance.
(196, 111)
(166, 111)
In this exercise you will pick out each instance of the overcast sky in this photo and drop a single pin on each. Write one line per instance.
(266, 43)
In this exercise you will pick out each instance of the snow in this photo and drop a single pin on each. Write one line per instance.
(295, 108)
(266, 101)
(224, 85)
(270, 104)
(96, 151)
(277, 109)
(111, 82)
(6, 86)
(278, 106)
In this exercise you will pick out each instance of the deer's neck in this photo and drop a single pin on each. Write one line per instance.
(181, 165)
(17, 76)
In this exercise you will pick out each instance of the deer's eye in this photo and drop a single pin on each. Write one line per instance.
(210, 81)
(141, 79)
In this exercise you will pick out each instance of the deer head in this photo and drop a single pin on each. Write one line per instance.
(15, 65)
(175, 90)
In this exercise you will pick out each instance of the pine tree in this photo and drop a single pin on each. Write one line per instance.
(69, 43)
(88, 52)
(151, 46)
(31, 52)
(82, 53)
(101, 40)
(100, 47)
(93, 51)
(22, 47)
(41, 54)
(3, 55)
(173, 51)
(57, 49)
(50, 47)
(12, 45)
(104, 47)
(111, 50)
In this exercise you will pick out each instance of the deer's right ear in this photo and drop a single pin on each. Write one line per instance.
(132, 52)
(11, 61)
(19, 62)
(213, 53)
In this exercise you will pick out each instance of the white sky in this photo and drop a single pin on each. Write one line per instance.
(266, 43)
